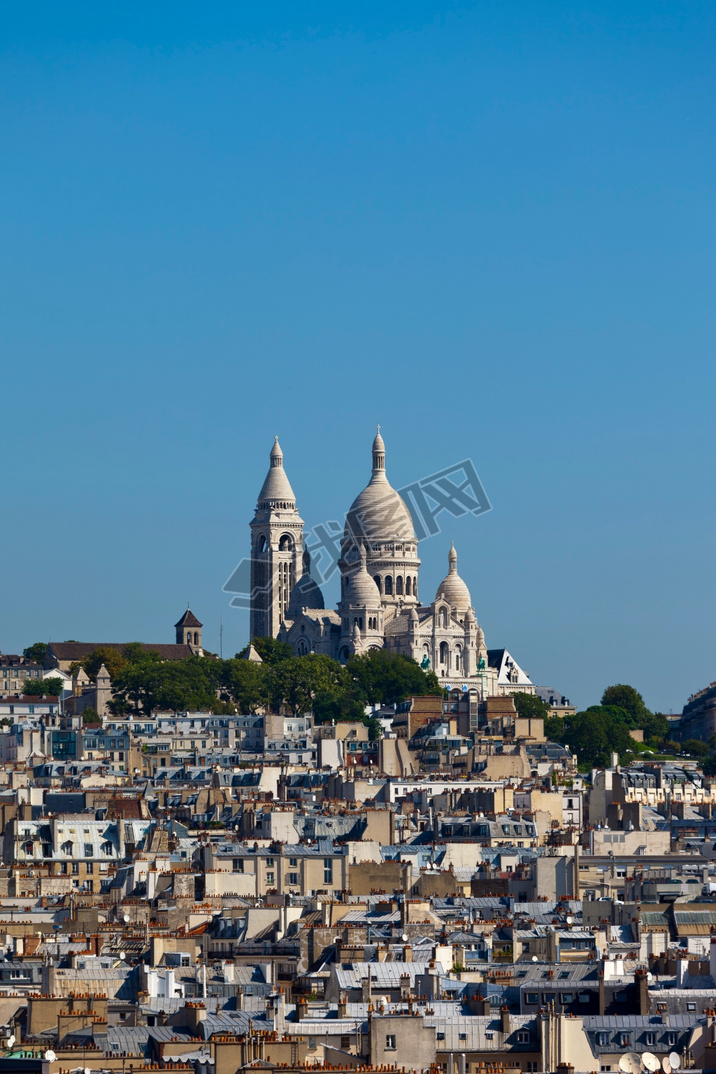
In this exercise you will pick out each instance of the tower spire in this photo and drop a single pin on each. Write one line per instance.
(378, 453)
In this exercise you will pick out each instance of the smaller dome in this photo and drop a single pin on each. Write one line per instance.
(360, 589)
(452, 588)
(306, 593)
(276, 485)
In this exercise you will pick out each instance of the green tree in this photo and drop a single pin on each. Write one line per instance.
(695, 747)
(670, 746)
(530, 706)
(296, 682)
(375, 729)
(138, 684)
(245, 683)
(103, 654)
(626, 697)
(596, 733)
(656, 728)
(554, 728)
(36, 652)
(51, 687)
(271, 650)
(91, 716)
(709, 765)
(383, 678)
(336, 705)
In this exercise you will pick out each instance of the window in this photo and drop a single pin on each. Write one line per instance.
(270, 878)
(238, 865)
(690, 1006)
(440, 1036)
(293, 878)
(532, 997)
(345, 1043)
(584, 997)
(671, 1039)
(650, 1039)
(602, 1039)
(624, 1040)
(328, 870)
(567, 997)
(523, 1036)
(88, 850)
(390, 1042)
(388, 586)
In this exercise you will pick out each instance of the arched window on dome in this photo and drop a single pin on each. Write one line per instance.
(458, 658)
(442, 618)
(388, 586)
(261, 544)
(379, 582)
(285, 543)
(399, 585)
(444, 654)
(196, 637)
(360, 622)
(415, 585)
(408, 586)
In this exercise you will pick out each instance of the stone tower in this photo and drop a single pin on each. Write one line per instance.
(188, 630)
(276, 549)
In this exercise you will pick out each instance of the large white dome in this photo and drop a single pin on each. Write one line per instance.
(379, 512)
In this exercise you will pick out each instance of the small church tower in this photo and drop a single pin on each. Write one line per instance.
(276, 549)
(188, 631)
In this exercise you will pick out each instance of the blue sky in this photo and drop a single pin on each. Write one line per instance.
(487, 226)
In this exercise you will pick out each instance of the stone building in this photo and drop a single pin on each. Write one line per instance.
(379, 605)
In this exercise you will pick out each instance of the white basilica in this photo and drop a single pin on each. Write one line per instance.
(379, 606)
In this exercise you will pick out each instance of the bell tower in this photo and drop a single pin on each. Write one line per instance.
(276, 549)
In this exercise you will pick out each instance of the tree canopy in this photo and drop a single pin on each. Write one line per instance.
(36, 652)
(530, 706)
(51, 687)
(314, 682)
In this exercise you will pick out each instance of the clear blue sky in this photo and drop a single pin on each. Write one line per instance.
(488, 226)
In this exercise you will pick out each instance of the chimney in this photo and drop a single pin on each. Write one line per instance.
(505, 1020)
(278, 1003)
(642, 984)
(682, 971)
(405, 986)
(365, 988)
(342, 1005)
(302, 1008)
(408, 953)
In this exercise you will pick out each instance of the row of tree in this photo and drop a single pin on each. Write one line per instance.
(143, 682)
(600, 730)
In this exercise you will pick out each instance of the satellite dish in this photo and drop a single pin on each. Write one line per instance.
(630, 1063)
(122, 955)
(404, 937)
(666, 1065)
(11, 1040)
(675, 1060)
(570, 919)
(650, 1061)
(127, 919)
(650, 977)
(50, 1055)
(88, 1070)
(534, 958)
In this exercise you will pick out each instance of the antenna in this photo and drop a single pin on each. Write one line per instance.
(221, 638)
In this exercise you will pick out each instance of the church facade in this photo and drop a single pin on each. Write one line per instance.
(380, 605)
